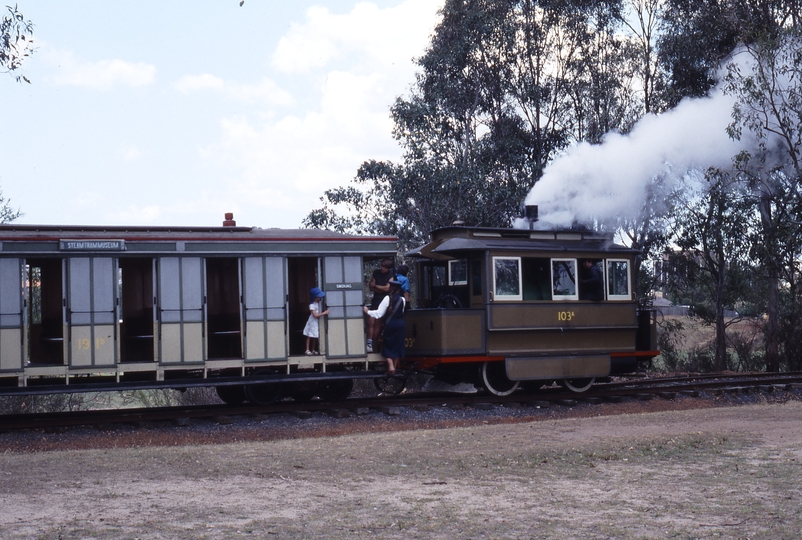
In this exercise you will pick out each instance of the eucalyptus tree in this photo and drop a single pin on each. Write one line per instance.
(15, 42)
(503, 86)
(768, 90)
(711, 231)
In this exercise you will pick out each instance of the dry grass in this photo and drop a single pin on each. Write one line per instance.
(708, 473)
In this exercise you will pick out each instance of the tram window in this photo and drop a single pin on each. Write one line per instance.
(458, 272)
(563, 279)
(507, 278)
(618, 279)
(536, 279)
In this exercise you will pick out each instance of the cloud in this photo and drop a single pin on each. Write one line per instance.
(128, 152)
(381, 35)
(265, 90)
(101, 75)
(195, 83)
(278, 165)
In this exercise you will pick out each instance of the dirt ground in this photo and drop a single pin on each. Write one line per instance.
(721, 472)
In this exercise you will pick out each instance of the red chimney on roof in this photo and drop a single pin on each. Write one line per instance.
(229, 221)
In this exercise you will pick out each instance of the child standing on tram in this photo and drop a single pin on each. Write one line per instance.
(312, 328)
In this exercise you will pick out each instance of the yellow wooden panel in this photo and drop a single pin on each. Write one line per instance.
(336, 338)
(276, 340)
(81, 346)
(193, 342)
(356, 337)
(10, 349)
(255, 340)
(171, 343)
(104, 345)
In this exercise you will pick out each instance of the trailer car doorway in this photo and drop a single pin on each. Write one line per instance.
(138, 320)
(302, 273)
(45, 281)
(223, 308)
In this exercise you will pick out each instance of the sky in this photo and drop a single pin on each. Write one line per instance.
(174, 113)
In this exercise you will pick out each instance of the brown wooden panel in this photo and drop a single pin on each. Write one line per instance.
(567, 341)
(557, 367)
(444, 331)
(561, 315)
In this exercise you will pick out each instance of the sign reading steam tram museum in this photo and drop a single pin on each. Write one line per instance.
(91, 245)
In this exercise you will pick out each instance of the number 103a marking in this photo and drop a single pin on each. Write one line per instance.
(565, 315)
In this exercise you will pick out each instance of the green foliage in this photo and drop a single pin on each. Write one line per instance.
(15, 42)
(503, 87)
(7, 214)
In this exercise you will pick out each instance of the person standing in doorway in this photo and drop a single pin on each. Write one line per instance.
(312, 328)
(391, 309)
(380, 286)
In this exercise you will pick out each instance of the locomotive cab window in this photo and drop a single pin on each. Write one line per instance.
(507, 278)
(458, 272)
(563, 279)
(536, 278)
(618, 279)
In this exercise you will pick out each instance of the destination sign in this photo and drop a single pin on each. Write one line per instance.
(91, 245)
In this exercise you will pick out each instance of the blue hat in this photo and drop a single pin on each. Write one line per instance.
(314, 292)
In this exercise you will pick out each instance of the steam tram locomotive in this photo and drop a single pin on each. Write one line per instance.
(502, 307)
(104, 308)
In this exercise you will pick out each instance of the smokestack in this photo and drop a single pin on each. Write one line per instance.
(530, 214)
(229, 221)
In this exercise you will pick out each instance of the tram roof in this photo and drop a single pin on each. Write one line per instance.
(450, 242)
(19, 238)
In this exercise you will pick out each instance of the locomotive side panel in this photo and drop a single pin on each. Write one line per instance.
(445, 332)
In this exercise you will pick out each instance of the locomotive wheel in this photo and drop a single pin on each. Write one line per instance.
(578, 385)
(303, 392)
(495, 380)
(335, 389)
(449, 301)
(391, 384)
(265, 393)
(231, 395)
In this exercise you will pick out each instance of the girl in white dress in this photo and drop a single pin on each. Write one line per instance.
(312, 328)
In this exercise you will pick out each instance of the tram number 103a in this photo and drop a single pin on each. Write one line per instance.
(565, 315)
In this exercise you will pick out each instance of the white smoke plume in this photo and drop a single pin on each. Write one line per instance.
(605, 182)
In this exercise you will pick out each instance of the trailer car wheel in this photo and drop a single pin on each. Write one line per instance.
(265, 393)
(391, 384)
(578, 385)
(335, 389)
(303, 391)
(495, 380)
(231, 395)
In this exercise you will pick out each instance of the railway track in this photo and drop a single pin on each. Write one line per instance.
(617, 390)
